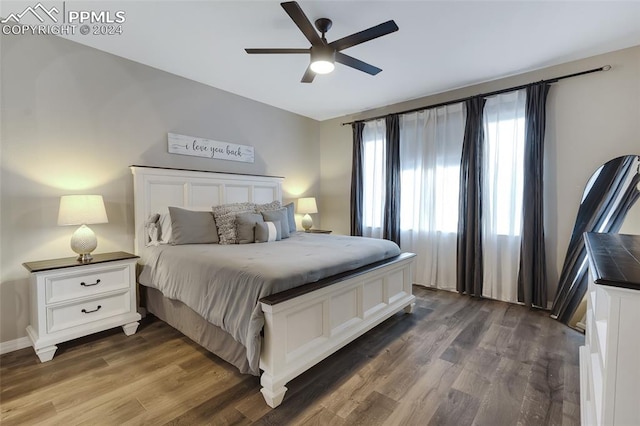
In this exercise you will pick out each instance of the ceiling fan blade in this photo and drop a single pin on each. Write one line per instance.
(297, 15)
(366, 35)
(356, 63)
(276, 50)
(308, 76)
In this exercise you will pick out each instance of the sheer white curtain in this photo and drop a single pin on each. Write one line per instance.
(504, 126)
(430, 151)
(373, 140)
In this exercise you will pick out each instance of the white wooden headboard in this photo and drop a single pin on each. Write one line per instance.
(155, 189)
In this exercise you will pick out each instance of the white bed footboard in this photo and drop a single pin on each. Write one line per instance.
(304, 329)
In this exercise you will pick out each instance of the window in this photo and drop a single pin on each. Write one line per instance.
(504, 162)
(430, 151)
(431, 142)
(373, 138)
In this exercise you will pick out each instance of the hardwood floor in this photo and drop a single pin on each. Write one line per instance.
(455, 360)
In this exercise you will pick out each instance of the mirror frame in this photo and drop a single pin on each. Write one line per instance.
(609, 194)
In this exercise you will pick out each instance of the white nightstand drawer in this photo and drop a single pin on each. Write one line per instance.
(79, 284)
(81, 313)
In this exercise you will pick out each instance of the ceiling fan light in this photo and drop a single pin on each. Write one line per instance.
(322, 59)
(322, 67)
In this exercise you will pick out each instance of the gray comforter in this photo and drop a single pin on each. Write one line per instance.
(223, 283)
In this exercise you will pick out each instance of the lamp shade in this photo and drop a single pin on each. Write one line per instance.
(81, 210)
(307, 205)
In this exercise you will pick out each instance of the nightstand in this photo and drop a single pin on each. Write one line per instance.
(318, 231)
(71, 299)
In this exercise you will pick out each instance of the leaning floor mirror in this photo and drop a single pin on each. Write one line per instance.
(609, 197)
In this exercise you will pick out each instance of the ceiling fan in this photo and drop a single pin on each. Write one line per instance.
(324, 54)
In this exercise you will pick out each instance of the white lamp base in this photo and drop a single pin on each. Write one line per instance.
(307, 222)
(83, 242)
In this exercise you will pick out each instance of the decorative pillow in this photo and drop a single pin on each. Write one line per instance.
(225, 216)
(267, 232)
(274, 205)
(279, 215)
(292, 217)
(192, 227)
(245, 225)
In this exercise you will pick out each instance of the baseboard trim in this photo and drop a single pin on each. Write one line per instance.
(14, 345)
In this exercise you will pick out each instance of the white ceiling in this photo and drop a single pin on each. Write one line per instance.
(441, 45)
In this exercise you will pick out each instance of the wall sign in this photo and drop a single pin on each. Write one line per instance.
(199, 147)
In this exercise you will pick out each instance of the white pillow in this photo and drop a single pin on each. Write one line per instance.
(164, 224)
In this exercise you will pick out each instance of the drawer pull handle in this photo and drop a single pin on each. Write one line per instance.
(84, 311)
(89, 285)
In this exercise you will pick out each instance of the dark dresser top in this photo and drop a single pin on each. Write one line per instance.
(69, 262)
(615, 259)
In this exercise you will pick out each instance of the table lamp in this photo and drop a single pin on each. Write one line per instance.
(306, 206)
(82, 210)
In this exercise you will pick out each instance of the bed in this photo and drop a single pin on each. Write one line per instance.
(295, 316)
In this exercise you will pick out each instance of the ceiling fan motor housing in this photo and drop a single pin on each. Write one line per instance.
(323, 25)
(323, 53)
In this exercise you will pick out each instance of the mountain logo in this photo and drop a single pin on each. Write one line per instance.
(38, 11)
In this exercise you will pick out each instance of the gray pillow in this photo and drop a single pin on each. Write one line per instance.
(279, 215)
(245, 224)
(292, 217)
(267, 232)
(192, 227)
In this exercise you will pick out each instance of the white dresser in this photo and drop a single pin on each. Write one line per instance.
(610, 359)
(70, 299)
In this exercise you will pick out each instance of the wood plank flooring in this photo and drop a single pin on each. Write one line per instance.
(454, 361)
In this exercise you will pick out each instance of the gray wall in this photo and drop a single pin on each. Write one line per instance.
(591, 119)
(73, 120)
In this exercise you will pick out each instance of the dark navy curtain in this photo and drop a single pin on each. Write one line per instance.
(469, 246)
(391, 224)
(532, 274)
(357, 188)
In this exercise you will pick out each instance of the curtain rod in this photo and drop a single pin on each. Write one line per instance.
(484, 95)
